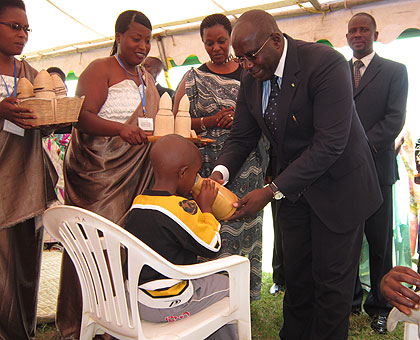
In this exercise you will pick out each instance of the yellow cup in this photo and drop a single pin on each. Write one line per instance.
(223, 204)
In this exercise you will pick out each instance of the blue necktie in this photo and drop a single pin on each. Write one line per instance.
(270, 115)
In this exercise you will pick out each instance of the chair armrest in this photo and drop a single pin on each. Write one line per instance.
(238, 268)
(198, 270)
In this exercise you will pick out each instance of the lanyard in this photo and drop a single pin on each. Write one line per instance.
(5, 85)
(142, 97)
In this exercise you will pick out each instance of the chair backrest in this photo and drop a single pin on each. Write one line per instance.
(95, 246)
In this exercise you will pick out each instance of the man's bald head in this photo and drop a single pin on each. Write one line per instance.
(257, 21)
(257, 40)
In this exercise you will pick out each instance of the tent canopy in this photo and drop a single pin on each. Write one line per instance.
(70, 34)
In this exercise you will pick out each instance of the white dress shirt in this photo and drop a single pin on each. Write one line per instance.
(366, 61)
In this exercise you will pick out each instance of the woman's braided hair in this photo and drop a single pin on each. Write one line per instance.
(213, 20)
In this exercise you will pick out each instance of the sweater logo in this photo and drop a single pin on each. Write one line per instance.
(174, 303)
(189, 206)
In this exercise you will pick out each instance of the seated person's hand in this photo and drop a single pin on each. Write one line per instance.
(18, 115)
(207, 195)
(398, 295)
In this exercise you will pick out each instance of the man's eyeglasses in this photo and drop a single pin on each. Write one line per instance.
(17, 27)
(252, 56)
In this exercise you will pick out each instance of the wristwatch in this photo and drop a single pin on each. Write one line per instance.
(277, 194)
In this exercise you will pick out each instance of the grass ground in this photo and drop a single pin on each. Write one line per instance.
(267, 318)
(266, 325)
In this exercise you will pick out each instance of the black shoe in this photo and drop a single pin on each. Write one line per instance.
(378, 324)
(356, 310)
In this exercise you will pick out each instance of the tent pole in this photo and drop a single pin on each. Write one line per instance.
(162, 52)
(316, 4)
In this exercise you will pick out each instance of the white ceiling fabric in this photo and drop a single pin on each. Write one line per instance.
(52, 28)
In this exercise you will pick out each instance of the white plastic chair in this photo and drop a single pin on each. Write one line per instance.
(94, 244)
(411, 323)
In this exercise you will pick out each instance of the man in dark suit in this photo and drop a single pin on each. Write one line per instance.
(299, 95)
(380, 93)
(154, 66)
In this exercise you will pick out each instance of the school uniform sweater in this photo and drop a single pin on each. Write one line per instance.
(175, 228)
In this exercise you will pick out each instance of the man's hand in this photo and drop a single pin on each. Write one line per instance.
(252, 203)
(399, 296)
(217, 176)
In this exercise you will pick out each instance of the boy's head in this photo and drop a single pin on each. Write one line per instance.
(175, 162)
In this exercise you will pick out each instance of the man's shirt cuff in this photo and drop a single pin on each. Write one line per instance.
(224, 171)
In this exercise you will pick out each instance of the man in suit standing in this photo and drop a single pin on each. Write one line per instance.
(154, 66)
(380, 93)
(299, 94)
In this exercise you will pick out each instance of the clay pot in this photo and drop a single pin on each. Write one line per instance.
(44, 86)
(164, 120)
(222, 206)
(24, 89)
(183, 118)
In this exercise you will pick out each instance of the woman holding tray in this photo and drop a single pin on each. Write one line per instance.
(23, 195)
(212, 90)
(106, 164)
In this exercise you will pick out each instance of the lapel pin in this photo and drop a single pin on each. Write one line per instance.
(293, 84)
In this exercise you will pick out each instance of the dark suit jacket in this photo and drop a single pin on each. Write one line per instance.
(381, 99)
(321, 149)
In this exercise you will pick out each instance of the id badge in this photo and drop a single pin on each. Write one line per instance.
(146, 124)
(13, 128)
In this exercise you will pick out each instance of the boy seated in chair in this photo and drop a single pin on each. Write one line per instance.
(179, 230)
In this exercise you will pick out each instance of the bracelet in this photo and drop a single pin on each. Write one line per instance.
(203, 127)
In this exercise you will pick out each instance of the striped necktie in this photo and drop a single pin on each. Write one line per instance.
(357, 76)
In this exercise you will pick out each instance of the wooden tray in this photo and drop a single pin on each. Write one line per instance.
(197, 140)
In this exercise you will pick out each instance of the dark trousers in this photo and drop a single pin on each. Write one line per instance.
(20, 269)
(379, 234)
(277, 263)
(320, 267)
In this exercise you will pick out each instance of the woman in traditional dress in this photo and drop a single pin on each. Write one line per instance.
(107, 165)
(22, 194)
(212, 90)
